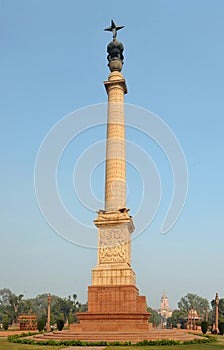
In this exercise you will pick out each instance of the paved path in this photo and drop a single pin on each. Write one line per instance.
(6, 333)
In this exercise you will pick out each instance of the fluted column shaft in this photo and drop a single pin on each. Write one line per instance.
(115, 184)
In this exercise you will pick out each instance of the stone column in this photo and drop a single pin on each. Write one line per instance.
(216, 313)
(114, 303)
(115, 186)
(48, 326)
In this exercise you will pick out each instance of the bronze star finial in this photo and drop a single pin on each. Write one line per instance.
(114, 28)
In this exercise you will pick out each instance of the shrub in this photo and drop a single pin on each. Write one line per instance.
(40, 325)
(221, 328)
(60, 324)
(5, 325)
(22, 339)
(204, 327)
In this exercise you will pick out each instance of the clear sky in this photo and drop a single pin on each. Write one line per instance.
(53, 62)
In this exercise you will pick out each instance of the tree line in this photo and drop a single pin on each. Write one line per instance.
(204, 309)
(12, 306)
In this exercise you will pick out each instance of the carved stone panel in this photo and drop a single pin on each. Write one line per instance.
(114, 244)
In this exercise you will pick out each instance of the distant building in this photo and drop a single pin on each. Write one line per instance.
(164, 309)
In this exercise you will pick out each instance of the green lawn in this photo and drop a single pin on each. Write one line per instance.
(219, 345)
(5, 345)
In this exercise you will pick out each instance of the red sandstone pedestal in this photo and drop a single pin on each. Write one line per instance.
(113, 309)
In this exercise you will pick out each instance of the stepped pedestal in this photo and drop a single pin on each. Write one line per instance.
(114, 304)
(113, 309)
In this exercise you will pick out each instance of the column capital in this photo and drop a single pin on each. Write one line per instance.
(115, 83)
(114, 217)
(114, 80)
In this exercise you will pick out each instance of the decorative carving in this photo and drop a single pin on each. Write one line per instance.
(113, 245)
(112, 254)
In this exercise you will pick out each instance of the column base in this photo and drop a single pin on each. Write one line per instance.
(111, 322)
(113, 309)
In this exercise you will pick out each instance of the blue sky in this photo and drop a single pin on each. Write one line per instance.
(53, 62)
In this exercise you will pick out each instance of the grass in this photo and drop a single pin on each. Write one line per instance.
(5, 345)
(219, 345)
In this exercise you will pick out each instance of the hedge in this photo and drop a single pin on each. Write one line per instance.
(21, 338)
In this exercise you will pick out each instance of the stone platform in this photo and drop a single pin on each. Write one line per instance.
(113, 309)
(153, 334)
(112, 322)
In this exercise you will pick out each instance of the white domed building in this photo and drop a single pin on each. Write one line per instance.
(164, 309)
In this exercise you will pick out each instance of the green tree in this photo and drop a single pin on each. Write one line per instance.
(40, 325)
(221, 328)
(5, 308)
(154, 318)
(10, 303)
(68, 307)
(5, 323)
(26, 307)
(193, 301)
(83, 308)
(15, 302)
(204, 327)
(39, 305)
(178, 316)
(221, 310)
(60, 324)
